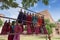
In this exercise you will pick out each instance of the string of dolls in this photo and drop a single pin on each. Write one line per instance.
(30, 23)
(26, 23)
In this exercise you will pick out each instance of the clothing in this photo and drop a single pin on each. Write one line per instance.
(34, 19)
(40, 21)
(12, 29)
(17, 37)
(45, 30)
(20, 16)
(29, 31)
(4, 28)
(18, 30)
(29, 19)
(10, 37)
(37, 30)
(24, 19)
(34, 22)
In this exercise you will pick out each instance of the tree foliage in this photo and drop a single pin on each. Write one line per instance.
(6, 4)
(59, 20)
(1, 22)
(49, 26)
(31, 3)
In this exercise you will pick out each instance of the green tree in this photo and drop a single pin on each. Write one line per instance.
(49, 27)
(31, 3)
(1, 22)
(6, 4)
(59, 20)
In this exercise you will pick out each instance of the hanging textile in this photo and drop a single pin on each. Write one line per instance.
(34, 21)
(22, 29)
(20, 16)
(18, 30)
(24, 19)
(37, 30)
(4, 28)
(10, 37)
(40, 21)
(11, 30)
(43, 26)
(45, 30)
(29, 19)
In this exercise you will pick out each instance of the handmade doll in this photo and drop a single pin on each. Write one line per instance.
(20, 16)
(29, 21)
(11, 31)
(17, 30)
(4, 28)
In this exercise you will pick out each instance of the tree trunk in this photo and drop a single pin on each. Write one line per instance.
(49, 37)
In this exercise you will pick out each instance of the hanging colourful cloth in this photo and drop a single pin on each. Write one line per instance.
(37, 29)
(45, 30)
(29, 19)
(40, 21)
(20, 16)
(11, 30)
(4, 28)
(17, 30)
(24, 18)
(34, 21)
(22, 29)
(29, 31)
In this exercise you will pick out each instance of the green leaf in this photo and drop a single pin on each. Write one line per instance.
(46, 2)
(1, 22)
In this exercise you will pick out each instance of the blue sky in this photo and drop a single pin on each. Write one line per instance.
(53, 8)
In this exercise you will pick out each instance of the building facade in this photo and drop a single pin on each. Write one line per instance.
(56, 31)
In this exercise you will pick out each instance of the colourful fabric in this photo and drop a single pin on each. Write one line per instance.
(39, 21)
(37, 30)
(45, 30)
(4, 28)
(34, 19)
(18, 30)
(9, 29)
(24, 19)
(20, 16)
(16, 37)
(29, 19)
(10, 37)
(29, 31)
